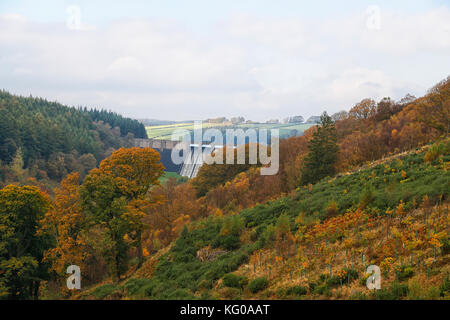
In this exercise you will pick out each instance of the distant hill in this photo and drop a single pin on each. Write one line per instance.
(313, 119)
(156, 122)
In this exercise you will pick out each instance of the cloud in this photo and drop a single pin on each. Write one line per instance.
(257, 67)
(397, 33)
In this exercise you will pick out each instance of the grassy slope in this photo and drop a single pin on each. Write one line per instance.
(251, 251)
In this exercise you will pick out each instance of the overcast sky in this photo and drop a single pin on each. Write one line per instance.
(196, 59)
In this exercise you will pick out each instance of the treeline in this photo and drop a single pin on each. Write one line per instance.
(126, 125)
(46, 140)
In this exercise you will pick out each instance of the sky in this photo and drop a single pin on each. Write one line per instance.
(198, 59)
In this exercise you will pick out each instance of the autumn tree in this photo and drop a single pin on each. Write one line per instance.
(112, 196)
(434, 109)
(364, 109)
(171, 205)
(283, 235)
(65, 222)
(322, 155)
(21, 248)
(292, 152)
(212, 175)
(385, 109)
(341, 115)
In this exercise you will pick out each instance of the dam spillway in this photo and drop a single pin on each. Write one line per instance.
(192, 162)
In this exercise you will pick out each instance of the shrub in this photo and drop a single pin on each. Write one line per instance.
(333, 281)
(283, 224)
(352, 274)
(436, 150)
(233, 281)
(232, 225)
(258, 284)
(323, 290)
(243, 281)
(229, 242)
(267, 237)
(312, 286)
(363, 280)
(323, 277)
(432, 293)
(404, 273)
(367, 197)
(253, 235)
(383, 294)
(206, 284)
(296, 290)
(399, 290)
(395, 292)
(417, 291)
(332, 209)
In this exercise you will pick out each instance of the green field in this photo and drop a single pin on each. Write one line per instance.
(164, 132)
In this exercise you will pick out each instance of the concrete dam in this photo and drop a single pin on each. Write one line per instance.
(192, 163)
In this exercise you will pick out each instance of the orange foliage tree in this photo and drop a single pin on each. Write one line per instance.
(113, 195)
(65, 222)
(173, 206)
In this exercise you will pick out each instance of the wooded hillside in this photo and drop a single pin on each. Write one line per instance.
(49, 140)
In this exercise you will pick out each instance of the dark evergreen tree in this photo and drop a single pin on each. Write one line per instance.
(323, 150)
